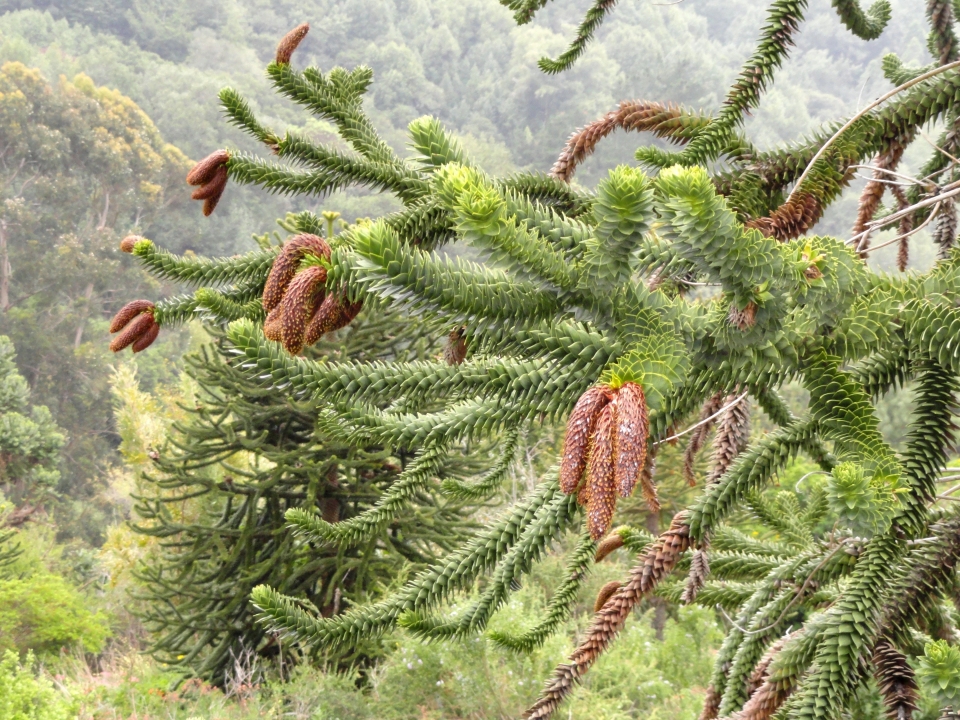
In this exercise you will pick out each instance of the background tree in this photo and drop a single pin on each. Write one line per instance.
(30, 443)
(77, 161)
(215, 497)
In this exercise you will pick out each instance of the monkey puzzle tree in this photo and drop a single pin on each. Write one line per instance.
(583, 311)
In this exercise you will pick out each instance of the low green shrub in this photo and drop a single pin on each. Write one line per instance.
(44, 613)
(28, 695)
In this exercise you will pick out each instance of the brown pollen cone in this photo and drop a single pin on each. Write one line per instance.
(609, 544)
(133, 331)
(895, 680)
(699, 436)
(699, 569)
(213, 187)
(287, 263)
(631, 434)
(129, 243)
(203, 171)
(212, 191)
(324, 319)
(647, 485)
(348, 311)
(790, 220)
(606, 592)
(271, 326)
(289, 43)
(711, 705)
(299, 302)
(146, 340)
(600, 474)
(579, 429)
(128, 312)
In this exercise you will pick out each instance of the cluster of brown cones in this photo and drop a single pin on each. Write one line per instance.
(136, 325)
(299, 308)
(607, 437)
(210, 174)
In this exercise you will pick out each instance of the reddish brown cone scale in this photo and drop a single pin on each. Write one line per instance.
(214, 187)
(606, 592)
(271, 326)
(579, 429)
(324, 319)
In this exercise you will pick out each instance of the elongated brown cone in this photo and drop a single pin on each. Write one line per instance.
(287, 263)
(906, 226)
(213, 187)
(612, 542)
(133, 331)
(665, 121)
(146, 340)
(271, 326)
(766, 697)
(216, 187)
(299, 302)
(128, 312)
(762, 668)
(711, 705)
(288, 44)
(348, 312)
(579, 429)
(657, 561)
(631, 436)
(203, 171)
(733, 434)
(324, 319)
(699, 437)
(699, 569)
(606, 592)
(790, 220)
(895, 680)
(601, 473)
(647, 485)
(129, 243)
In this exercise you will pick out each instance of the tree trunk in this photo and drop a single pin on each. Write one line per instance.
(4, 270)
(87, 295)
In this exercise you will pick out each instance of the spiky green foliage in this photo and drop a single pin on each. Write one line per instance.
(584, 289)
